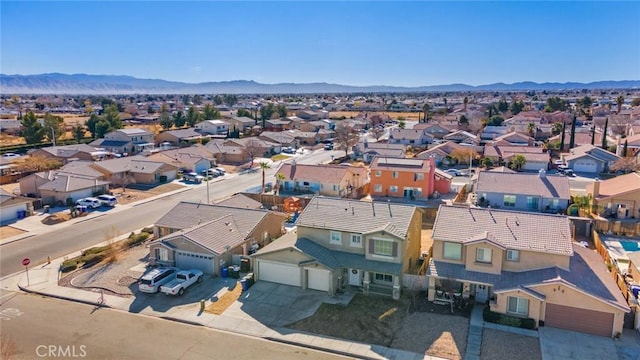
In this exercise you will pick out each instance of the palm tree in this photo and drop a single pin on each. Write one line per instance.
(531, 128)
(425, 110)
(620, 101)
(465, 101)
(517, 162)
(264, 166)
(279, 178)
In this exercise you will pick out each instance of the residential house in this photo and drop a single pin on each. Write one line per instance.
(339, 243)
(67, 153)
(219, 127)
(522, 191)
(315, 126)
(136, 170)
(536, 157)
(140, 140)
(194, 235)
(462, 137)
(322, 179)
(284, 138)
(191, 159)
(411, 137)
(491, 132)
(436, 130)
(589, 159)
(179, 137)
(230, 154)
(277, 124)
(10, 126)
(306, 137)
(368, 150)
(259, 147)
(524, 265)
(58, 188)
(581, 138)
(514, 139)
(240, 201)
(617, 198)
(11, 205)
(310, 115)
(402, 177)
(441, 153)
(240, 123)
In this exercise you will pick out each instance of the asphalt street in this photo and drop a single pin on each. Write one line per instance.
(61, 242)
(34, 327)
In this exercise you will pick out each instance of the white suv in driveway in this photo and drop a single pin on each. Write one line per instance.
(108, 200)
(89, 202)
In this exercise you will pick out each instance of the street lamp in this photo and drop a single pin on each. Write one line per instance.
(207, 180)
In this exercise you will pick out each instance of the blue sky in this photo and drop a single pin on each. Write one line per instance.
(353, 43)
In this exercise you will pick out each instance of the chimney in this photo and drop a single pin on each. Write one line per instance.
(596, 188)
(542, 174)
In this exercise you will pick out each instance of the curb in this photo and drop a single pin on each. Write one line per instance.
(18, 239)
(188, 322)
(319, 348)
(86, 302)
(88, 218)
(142, 202)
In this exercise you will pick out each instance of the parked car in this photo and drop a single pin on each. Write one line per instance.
(221, 170)
(453, 172)
(288, 150)
(183, 279)
(89, 202)
(151, 281)
(193, 177)
(328, 147)
(108, 200)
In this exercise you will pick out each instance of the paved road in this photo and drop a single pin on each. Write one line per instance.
(35, 326)
(64, 241)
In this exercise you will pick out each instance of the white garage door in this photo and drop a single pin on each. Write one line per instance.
(11, 212)
(535, 165)
(279, 273)
(187, 261)
(318, 279)
(585, 166)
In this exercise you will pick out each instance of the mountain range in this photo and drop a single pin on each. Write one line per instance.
(55, 83)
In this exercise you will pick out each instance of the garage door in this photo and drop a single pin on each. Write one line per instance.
(581, 320)
(202, 262)
(279, 273)
(585, 166)
(318, 279)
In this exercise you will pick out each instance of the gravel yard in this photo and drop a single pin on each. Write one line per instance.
(433, 334)
(499, 345)
(117, 277)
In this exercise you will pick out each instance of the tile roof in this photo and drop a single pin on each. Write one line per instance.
(133, 131)
(68, 150)
(504, 151)
(136, 164)
(616, 186)
(189, 133)
(215, 235)
(400, 164)
(68, 183)
(322, 173)
(591, 151)
(513, 229)
(356, 216)
(240, 201)
(547, 186)
(408, 134)
(82, 168)
(586, 272)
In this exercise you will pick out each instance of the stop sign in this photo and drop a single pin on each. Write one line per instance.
(26, 261)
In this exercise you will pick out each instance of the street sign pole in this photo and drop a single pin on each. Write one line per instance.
(26, 263)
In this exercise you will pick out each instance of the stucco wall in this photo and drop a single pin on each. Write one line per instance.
(530, 260)
(284, 256)
(496, 258)
(536, 308)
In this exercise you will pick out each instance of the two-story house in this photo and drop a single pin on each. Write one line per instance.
(339, 243)
(66, 153)
(416, 138)
(322, 179)
(205, 237)
(130, 141)
(525, 265)
(215, 127)
(521, 191)
(617, 198)
(369, 150)
(402, 177)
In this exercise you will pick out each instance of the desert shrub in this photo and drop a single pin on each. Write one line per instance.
(91, 259)
(136, 239)
(148, 230)
(69, 265)
(95, 250)
(504, 319)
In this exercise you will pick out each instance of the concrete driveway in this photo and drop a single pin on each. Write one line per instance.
(557, 344)
(275, 304)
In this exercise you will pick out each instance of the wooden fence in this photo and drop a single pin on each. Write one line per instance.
(618, 227)
(613, 269)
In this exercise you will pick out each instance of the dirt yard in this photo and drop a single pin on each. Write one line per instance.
(9, 231)
(397, 324)
(498, 345)
(392, 114)
(126, 196)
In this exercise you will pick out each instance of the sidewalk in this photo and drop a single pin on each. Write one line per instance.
(43, 280)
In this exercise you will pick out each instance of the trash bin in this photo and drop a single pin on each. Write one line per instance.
(20, 214)
(244, 265)
(235, 271)
(46, 209)
(244, 284)
(224, 272)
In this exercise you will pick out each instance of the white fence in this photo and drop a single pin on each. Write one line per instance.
(415, 282)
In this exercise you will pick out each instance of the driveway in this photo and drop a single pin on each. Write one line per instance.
(275, 304)
(557, 344)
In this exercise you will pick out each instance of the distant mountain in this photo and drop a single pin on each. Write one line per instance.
(120, 84)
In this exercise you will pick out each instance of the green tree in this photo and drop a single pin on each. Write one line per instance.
(487, 162)
(503, 105)
(165, 120)
(211, 113)
(218, 100)
(78, 132)
(230, 99)
(112, 116)
(91, 124)
(604, 134)
(281, 109)
(53, 127)
(465, 101)
(463, 121)
(425, 110)
(32, 131)
(572, 139)
(564, 132)
(619, 102)
(556, 128)
(150, 109)
(625, 148)
(531, 129)
(491, 110)
(279, 179)
(264, 166)
(517, 162)
(401, 124)
(556, 104)
(178, 119)
(186, 99)
(585, 103)
(495, 120)
(197, 99)
(102, 127)
(266, 111)
(517, 107)
(244, 113)
(193, 116)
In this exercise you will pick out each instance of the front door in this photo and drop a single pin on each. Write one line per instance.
(482, 293)
(408, 193)
(355, 277)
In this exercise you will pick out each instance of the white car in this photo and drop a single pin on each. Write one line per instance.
(108, 200)
(453, 172)
(89, 202)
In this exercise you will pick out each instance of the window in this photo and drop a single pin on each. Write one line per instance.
(419, 176)
(452, 251)
(162, 254)
(383, 277)
(532, 203)
(377, 188)
(518, 306)
(383, 247)
(378, 173)
(510, 200)
(356, 240)
(513, 255)
(335, 238)
(555, 203)
(394, 174)
(483, 255)
(393, 189)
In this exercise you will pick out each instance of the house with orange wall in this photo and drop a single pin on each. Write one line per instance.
(402, 177)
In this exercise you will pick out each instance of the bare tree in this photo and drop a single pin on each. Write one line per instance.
(618, 124)
(345, 137)
(253, 149)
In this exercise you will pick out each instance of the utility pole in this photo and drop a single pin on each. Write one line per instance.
(207, 179)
